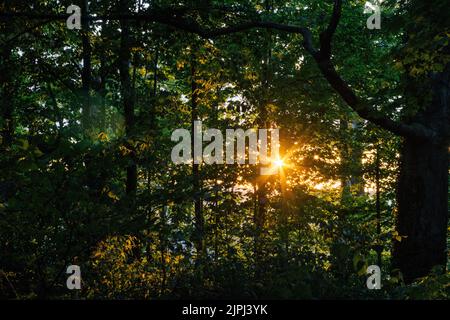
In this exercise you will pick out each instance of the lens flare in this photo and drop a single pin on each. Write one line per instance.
(278, 163)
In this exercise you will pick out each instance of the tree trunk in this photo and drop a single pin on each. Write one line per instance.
(127, 100)
(423, 188)
(379, 247)
(422, 208)
(7, 88)
(86, 76)
(197, 183)
(259, 221)
(6, 98)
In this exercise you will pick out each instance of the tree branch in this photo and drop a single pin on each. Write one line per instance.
(327, 35)
(363, 108)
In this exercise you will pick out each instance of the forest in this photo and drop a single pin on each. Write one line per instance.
(224, 149)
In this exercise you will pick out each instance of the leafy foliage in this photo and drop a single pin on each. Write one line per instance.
(63, 188)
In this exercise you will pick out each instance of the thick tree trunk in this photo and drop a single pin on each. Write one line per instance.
(423, 189)
(422, 208)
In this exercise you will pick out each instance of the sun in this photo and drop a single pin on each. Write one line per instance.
(278, 163)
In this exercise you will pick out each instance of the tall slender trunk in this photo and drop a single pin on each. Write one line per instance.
(261, 184)
(102, 119)
(6, 86)
(86, 71)
(259, 218)
(163, 247)
(197, 185)
(379, 248)
(152, 115)
(7, 97)
(127, 93)
(351, 163)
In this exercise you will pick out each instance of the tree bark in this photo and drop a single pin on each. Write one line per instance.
(422, 193)
(86, 75)
(6, 87)
(379, 248)
(422, 209)
(128, 101)
(7, 98)
(259, 217)
(197, 184)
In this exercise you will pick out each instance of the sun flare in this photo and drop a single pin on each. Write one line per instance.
(278, 163)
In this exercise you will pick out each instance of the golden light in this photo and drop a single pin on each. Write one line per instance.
(278, 163)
